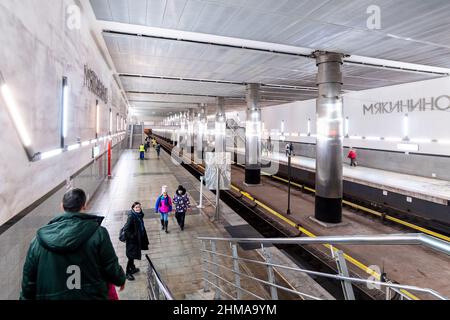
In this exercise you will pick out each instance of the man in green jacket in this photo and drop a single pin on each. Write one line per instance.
(71, 258)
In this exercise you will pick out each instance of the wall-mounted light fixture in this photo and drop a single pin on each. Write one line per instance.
(347, 126)
(406, 127)
(97, 130)
(17, 119)
(309, 127)
(110, 121)
(64, 111)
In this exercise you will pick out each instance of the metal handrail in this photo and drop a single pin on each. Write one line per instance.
(395, 239)
(159, 282)
(327, 275)
(390, 239)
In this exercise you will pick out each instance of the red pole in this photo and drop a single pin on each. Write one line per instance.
(109, 159)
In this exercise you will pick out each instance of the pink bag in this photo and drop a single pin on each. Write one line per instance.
(112, 293)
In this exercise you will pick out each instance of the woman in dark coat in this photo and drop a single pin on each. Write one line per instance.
(136, 238)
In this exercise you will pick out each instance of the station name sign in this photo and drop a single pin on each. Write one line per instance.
(441, 103)
(94, 84)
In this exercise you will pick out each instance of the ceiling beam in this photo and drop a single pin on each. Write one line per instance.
(278, 86)
(269, 47)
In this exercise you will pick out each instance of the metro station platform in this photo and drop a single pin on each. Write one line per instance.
(429, 189)
(177, 256)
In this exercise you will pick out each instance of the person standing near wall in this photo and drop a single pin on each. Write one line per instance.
(142, 152)
(287, 149)
(158, 150)
(352, 156)
(71, 258)
(291, 149)
(182, 204)
(163, 206)
(269, 146)
(135, 237)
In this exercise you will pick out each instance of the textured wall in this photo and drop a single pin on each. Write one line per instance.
(414, 164)
(426, 124)
(16, 240)
(37, 50)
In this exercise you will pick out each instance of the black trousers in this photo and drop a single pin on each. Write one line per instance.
(130, 265)
(352, 163)
(180, 218)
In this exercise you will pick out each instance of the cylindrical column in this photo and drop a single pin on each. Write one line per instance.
(253, 136)
(181, 132)
(190, 131)
(329, 111)
(201, 131)
(220, 127)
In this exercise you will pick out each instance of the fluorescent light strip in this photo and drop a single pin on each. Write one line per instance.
(405, 125)
(444, 141)
(65, 109)
(85, 143)
(373, 138)
(407, 147)
(420, 140)
(98, 119)
(355, 137)
(20, 126)
(73, 147)
(50, 154)
(392, 139)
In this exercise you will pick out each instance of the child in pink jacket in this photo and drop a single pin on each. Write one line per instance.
(164, 207)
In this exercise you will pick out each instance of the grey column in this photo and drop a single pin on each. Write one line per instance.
(190, 132)
(201, 135)
(220, 126)
(329, 111)
(253, 136)
(181, 131)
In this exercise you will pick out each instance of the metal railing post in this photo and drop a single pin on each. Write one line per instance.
(200, 206)
(270, 273)
(205, 271)
(343, 271)
(216, 270)
(237, 277)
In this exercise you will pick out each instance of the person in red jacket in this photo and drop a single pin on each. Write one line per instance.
(352, 156)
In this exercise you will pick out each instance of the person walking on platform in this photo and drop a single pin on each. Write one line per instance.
(142, 152)
(135, 237)
(269, 146)
(158, 149)
(352, 156)
(289, 149)
(182, 204)
(71, 258)
(164, 207)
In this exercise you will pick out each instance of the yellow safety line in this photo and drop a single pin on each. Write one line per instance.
(310, 234)
(350, 259)
(379, 214)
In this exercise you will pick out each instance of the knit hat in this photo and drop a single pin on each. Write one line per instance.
(163, 189)
(182, 189)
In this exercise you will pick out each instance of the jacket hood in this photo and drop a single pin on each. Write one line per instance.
(68, 232)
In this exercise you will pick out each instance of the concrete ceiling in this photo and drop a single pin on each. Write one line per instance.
(180, 74)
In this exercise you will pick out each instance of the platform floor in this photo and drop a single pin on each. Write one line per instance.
(411, 265)
(429, 189)
(176, 255)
